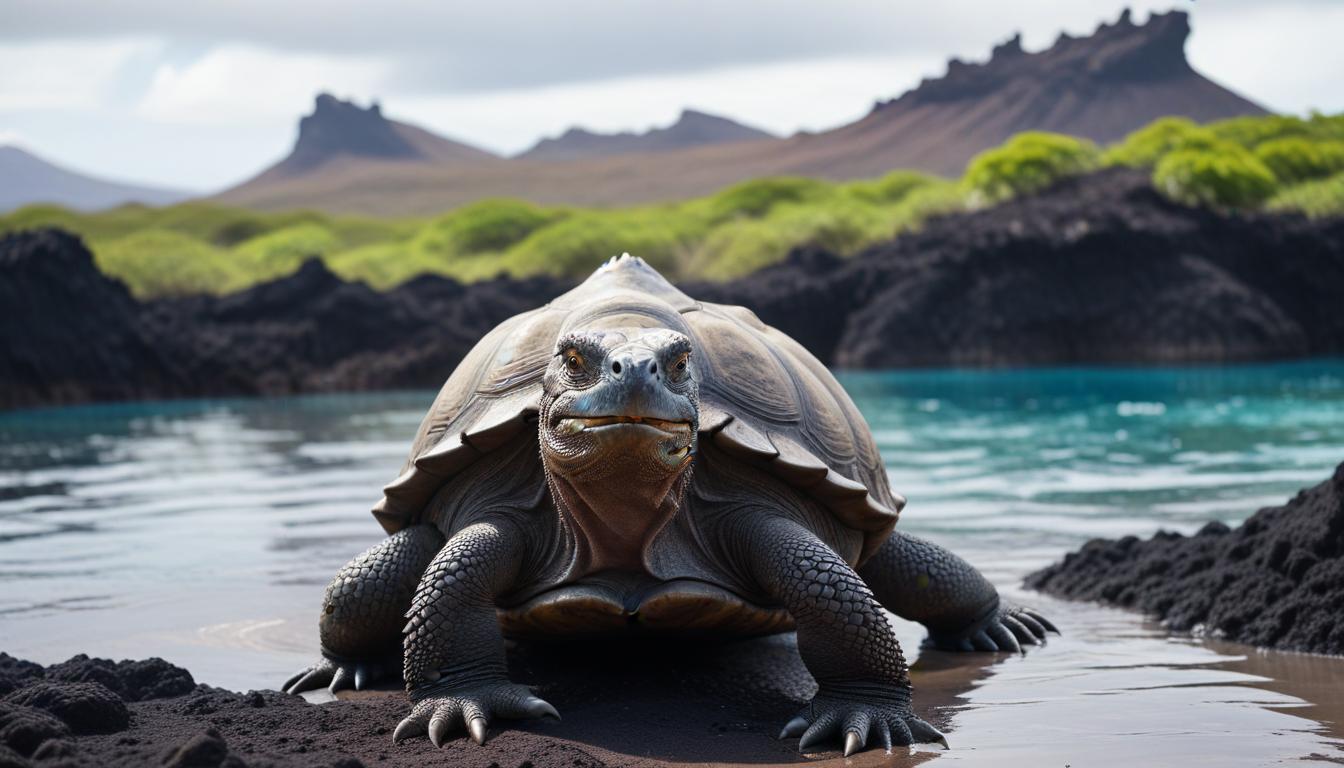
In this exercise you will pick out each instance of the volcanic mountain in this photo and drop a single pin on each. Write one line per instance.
(692, 129)
(340, 132)
(26, 179)
(1099, 87)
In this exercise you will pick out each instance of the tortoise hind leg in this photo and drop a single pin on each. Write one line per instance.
(920, 581)
(364, 610)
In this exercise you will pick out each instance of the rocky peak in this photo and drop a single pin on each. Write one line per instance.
(1119, 51)
(338, 127)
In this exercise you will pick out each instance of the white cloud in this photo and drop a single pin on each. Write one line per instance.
(64, 74)
(782, 98)
(241, 84)
(11, 139)
(1288, 58)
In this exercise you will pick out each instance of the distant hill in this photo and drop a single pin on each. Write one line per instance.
(342, 132)
(692, 129)
(26, 179)
(1100, 87)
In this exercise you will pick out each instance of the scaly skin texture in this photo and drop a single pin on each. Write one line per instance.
(455, 669)
(923, 582)
(843, 636)
(364, 609)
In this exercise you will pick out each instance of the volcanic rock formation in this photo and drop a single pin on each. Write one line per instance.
(1276, 580)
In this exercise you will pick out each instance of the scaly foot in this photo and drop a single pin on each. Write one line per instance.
(1006, 629)
(439, 711)
(338, 674)
(864, 717)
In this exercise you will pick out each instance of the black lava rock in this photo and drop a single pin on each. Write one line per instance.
(1276, 581)
(23, 729)
(85, 707)
(204, 750)
(151, 678)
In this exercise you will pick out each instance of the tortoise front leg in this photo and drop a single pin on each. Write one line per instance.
(364, 609)
(920, 581)
(843, 636)
(456, 672)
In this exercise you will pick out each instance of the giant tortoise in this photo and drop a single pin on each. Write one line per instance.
(629, 459)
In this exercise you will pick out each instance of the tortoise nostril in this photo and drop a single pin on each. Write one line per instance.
(653, 368)
(616, 367)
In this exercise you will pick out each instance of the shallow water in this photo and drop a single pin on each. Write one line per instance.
(204, 532)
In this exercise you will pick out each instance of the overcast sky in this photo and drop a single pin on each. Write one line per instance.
(204, 94)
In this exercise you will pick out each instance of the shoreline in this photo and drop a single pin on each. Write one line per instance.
(1215, 288)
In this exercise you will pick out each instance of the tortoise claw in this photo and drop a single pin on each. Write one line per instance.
(853, 742)
(794, 727)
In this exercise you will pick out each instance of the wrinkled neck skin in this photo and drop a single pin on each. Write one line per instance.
(613, 521)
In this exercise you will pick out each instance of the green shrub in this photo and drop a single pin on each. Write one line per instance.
(1316, 198)
(381, 265)
(159, 262)
(1251, 132)
(487, 225)
(1227, 178)
(930, 200)
(1146, 146)
(1026, 163)
(1296, 160)
(580, 243)
(280, 253)
(35, 216)
(742, 246)
(756, 198)
(892, 188)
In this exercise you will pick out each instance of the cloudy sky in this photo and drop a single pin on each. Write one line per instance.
(203, 94)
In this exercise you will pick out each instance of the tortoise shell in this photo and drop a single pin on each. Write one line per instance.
(763, 398)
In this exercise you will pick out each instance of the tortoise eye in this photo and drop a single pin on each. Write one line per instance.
(573, 362)
(681, 363)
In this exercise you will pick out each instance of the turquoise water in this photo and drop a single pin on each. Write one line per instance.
(204, 531)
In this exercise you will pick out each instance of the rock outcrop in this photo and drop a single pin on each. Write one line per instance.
(1276, 580)
(339, 130)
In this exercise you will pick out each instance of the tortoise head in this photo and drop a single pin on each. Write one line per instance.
(619, 415)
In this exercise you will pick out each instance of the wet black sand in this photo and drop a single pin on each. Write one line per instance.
(622, 704)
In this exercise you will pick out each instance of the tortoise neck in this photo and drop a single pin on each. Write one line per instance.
(614, 523)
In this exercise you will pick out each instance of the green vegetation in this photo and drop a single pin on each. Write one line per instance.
(1316, 199)
(1295, 160)
(1274, 162)
(1028, 162)
(1145, 147)
(1223, 178)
